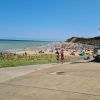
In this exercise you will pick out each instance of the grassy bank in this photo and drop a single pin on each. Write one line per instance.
(13, 61)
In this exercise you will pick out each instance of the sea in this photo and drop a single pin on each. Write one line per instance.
(16, 45)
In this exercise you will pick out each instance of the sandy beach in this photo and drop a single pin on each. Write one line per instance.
(47, 54)
(70, 49)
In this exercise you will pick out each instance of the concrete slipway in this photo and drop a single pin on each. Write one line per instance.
(69, 81)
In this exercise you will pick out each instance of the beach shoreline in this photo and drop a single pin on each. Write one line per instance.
(72, 52)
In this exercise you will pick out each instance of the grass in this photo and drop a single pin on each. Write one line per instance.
(28, 60)
(11, 60)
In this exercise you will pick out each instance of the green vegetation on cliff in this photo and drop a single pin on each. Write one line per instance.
(89, 41)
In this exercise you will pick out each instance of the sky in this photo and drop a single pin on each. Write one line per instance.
(54, 20)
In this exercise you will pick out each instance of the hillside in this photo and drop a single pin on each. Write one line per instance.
(90, 41)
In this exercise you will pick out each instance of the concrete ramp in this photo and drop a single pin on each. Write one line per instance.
(79, 81)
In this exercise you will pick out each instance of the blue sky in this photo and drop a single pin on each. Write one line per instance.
(49, 19)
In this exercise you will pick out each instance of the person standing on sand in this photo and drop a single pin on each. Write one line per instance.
(57, 56)
(62, 56)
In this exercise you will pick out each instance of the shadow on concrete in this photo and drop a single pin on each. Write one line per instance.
(79, 62)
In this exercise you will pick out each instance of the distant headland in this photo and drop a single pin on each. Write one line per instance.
(89, 41)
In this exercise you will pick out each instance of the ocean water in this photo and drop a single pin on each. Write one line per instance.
(13, 45)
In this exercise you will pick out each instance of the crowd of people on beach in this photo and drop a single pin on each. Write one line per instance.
(61, 50)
